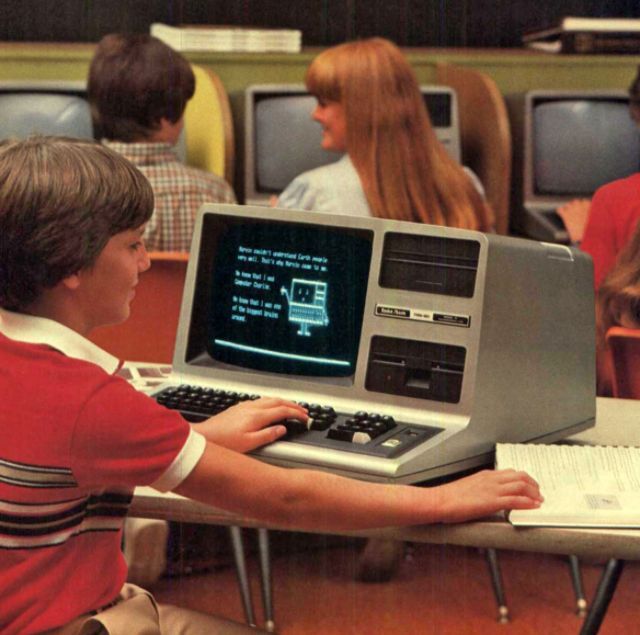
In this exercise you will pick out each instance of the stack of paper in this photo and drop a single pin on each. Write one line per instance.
(228, 39)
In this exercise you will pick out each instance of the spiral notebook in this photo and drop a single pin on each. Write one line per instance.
(583, 486)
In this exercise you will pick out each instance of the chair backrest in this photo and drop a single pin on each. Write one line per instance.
(485, 134)
(150, 332)
(623, 348)
(209, 126)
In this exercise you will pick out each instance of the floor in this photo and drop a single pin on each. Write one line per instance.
(438, 590)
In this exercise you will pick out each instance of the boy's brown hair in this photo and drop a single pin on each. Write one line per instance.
(134, 82)
(61, 200)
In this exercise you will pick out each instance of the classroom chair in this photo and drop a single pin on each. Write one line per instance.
(209, 127)
(485, 134)
(149, 333)
(623, 349)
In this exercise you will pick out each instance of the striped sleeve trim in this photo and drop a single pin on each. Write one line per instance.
(35, 476)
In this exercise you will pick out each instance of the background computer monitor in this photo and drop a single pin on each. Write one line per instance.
(281, 140)
(53, 108)
(568, 144)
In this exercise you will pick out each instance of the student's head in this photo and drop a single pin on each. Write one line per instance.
(61, 202)
(136, 82)
(370, 105)
(373, 85)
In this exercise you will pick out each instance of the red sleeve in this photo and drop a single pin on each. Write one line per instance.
(599, 236)
(123, 437)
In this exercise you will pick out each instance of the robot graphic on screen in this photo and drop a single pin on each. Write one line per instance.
(307, 304)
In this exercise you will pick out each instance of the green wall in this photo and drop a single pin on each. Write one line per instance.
(514, 70)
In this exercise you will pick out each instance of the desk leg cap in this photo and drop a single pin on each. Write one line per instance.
(581, 607)
(503, 615)
(270, 626)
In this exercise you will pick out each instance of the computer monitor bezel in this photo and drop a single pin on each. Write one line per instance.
(213, 241)
(532, 100)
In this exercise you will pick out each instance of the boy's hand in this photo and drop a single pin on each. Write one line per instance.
(488, 492)
(249, 424)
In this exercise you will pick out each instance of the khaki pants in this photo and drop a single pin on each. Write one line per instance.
(136, 613)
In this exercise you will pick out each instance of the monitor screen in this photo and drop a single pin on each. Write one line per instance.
(286, 298)
(581, 143)
(287, 140)
(55, 108)
(282, 140)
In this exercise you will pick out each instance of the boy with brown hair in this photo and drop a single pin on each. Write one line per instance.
(77, 438)
(138, 90)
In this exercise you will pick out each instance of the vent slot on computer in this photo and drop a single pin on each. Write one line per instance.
(429, 264)
(425, 370)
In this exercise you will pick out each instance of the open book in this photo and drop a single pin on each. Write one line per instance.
(583, 486)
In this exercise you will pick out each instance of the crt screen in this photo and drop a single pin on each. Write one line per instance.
(289, 298)
(581, 144)
(287, 140)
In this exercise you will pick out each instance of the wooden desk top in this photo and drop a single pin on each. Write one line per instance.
(617, 423)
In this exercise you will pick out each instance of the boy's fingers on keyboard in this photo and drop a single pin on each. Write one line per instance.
(268, 402)
(276, 413)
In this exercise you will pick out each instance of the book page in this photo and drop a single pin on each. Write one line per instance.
(582, 485)
(562, 466)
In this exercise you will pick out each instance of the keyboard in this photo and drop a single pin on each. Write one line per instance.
(361, 431)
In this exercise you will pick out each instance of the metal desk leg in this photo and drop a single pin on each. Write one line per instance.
(498, 589)
(578, 589)
(265, 575)
(604, 593)
(241, 571)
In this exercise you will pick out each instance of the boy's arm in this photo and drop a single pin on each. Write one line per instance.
(306, 499)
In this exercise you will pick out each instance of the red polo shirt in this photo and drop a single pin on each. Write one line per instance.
(75, 442)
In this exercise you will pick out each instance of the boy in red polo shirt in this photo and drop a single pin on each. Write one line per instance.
(77, 439)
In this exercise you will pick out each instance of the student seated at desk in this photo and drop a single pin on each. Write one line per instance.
(138, 90)
(604, 225)
(371, 108)
(77, 438)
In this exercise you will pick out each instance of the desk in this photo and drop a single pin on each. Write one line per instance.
(617, 423)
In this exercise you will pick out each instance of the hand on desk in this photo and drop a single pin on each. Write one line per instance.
(249, 424)
(488, 492)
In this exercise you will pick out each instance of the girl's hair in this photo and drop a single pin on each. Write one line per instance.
(405, 172)
(618, 298)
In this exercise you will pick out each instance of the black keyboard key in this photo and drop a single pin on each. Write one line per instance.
(294, 426)
(193, 417)
(320, 424)
(340, 434)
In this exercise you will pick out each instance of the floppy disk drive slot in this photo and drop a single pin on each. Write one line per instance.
(425, 370)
